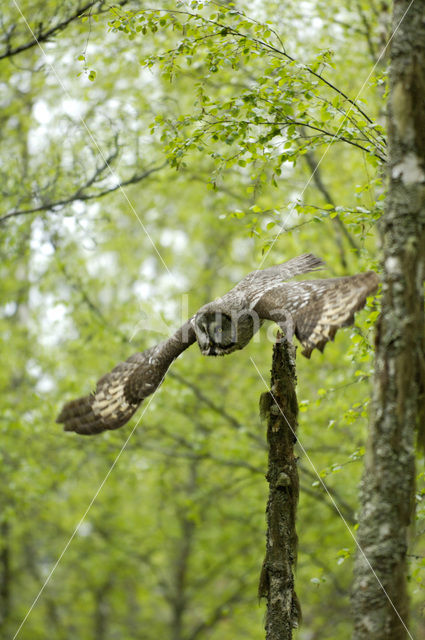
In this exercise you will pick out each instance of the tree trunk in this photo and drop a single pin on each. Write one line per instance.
(280, 408)
(380, 600)
(5, 574)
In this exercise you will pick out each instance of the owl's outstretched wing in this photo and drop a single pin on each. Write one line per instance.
(314, 310)
(120, 392)
(257, 283)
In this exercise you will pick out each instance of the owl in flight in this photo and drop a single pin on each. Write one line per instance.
(311, 310)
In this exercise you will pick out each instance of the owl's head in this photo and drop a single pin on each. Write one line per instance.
(220, 333)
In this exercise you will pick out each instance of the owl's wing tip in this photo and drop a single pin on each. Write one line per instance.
(375, 281)
(67, 428)
(84, 429)
(306, 352)
(61, 417)
(314, 258)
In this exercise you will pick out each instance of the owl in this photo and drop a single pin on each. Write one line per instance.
(312, 310)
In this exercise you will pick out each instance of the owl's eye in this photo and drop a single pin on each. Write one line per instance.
(218, 332)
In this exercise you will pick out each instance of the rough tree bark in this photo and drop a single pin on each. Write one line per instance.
(387, 489)
(280, 408)
(5, 574)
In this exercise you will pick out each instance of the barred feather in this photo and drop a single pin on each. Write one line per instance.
(314, 310)
(109, 406)
(119, 393)
(318, 308)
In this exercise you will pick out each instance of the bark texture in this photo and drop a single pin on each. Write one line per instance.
(387, 489)
(280, 408)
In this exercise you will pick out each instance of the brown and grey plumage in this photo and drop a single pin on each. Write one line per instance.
(316, 309)
(119, 393)
(311, 310)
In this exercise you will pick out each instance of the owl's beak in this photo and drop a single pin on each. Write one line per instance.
(209, 350)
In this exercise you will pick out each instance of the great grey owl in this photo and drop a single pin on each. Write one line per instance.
(311, 310)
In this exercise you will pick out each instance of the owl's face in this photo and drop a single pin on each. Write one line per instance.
(218, 333)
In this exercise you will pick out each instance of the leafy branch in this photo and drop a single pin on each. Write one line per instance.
(80, 194)
(281, 95)
(46, 32)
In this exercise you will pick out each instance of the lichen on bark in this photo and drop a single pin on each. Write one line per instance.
(380, 599)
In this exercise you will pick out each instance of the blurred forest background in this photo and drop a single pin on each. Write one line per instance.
(213, 125)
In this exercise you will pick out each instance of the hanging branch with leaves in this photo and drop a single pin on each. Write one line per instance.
(273, 114)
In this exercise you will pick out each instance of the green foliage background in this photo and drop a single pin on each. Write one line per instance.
(207, 123)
